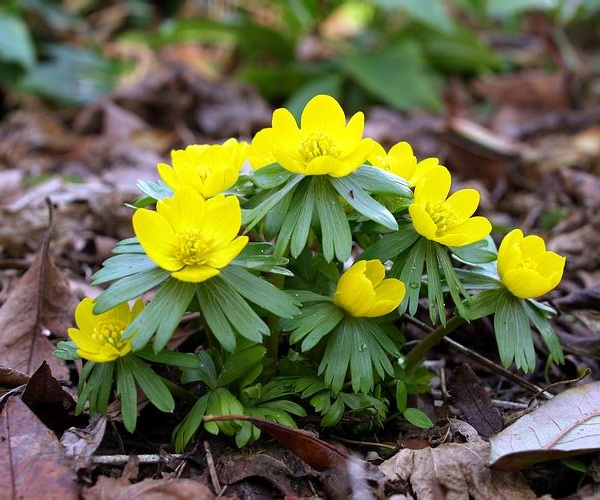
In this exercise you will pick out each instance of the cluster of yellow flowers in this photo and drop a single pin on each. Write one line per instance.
(195, 233)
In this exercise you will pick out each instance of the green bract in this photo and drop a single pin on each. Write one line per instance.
(293, 283)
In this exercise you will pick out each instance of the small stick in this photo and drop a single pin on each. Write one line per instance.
(211, 469)
(123, 459)
(486, 362)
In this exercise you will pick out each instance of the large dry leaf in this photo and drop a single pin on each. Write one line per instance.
(108, 488)
(455, 471)
(568, 424)
(41, 298)
(32, 461)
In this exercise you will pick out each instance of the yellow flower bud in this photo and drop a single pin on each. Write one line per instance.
(362, 290)
(526, 268)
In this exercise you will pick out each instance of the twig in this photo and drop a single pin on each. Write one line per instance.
(485, 362)
(366, 443)
(211, 468)
(123, 459)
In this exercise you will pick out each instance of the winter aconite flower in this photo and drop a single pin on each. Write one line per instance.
(98, 336)
(189, 236)
(260, 153)
(526, 268)
(323, 145)
(444, 219)
(400, 160)
(362, 290)
(209, 170)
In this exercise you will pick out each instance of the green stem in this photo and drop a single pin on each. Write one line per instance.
(418, 352)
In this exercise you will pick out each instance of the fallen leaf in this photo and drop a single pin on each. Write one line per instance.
(80, 444)
(41, 298)
(107, 488)
(469, 394)
(455, 470)
(567, 425)
(319, 454)
(32, 462)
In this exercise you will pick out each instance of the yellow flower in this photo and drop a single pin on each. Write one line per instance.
(189, 236)
(526, 268)
(324, 144)
(444, 219)
(210, 170)
(260, 153)
(400, 160)
(98, 336)
(362, 290)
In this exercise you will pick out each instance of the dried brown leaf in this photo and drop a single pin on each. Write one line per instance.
(80, 444)
(469, 394)
(32, 463)
(41, 298)
(108, 488)
(568, 424)
(455, 471)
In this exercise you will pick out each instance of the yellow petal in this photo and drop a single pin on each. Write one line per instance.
(401, 149)
(532, 245)
(120, 313)
(168, 176)
(388, 296)
(422, 168)
(285, 129)
(526, 284)
(136, 309)
(470, 231)
(187, 210)
(509, 252)
(290, 160)
(375, 272)
(218, 181)
(377, 156)
(83, 339)
(157, 237)
(322, 165)
(551, 265)
(404, 167)
(433, 187)
(84, 317)
(352, 134)
(222, 219)
(354, 294)
(223, 255)
(422, 221)
(356, 158)
(464, 202)
(195, 274)
(323, 114)
(260, 152)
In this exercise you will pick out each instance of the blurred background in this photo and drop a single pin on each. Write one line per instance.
(93, 93)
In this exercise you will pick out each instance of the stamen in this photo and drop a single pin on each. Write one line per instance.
(318, 144)
(192, 247)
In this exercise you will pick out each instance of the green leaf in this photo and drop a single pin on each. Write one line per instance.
(455, 287)
(477, 280)
(271, 176)
(399, 66)
(437, 306)
(187, 429)
(410, 270)
(333, 414)
(401, 395)
(296, 222)
(161, 315)
(253, 216)
(172, 358)
(216, 319)
(152, 385)
(127, 392)
(206, 372)
(222, 402)
(257, 256)
(16, 44)
(483, 304)
(313, 323)
(480, 252)
(543, 326)
(336, 238)
(417, 418)
(260, 292)
(391, 245)
(66, 350)
(128, 288)
(350, 189)
(239, 363)
(121, 266)
(156, 190)
(513, 335)
(433, 13)
(101, 382)
(237, 311)
(377, 180)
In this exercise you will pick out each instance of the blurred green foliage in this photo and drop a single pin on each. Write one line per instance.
(394, 52)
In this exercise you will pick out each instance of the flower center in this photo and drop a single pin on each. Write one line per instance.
(528, 263)
(192, 248)
(442, 215)
(109, 332)
(318, 144)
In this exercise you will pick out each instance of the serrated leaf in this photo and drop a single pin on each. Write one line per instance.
(567, 425)
(357, 198)
(260, 292)
(128, 288)
(336, 238)
(121, 266)
(152, 385)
